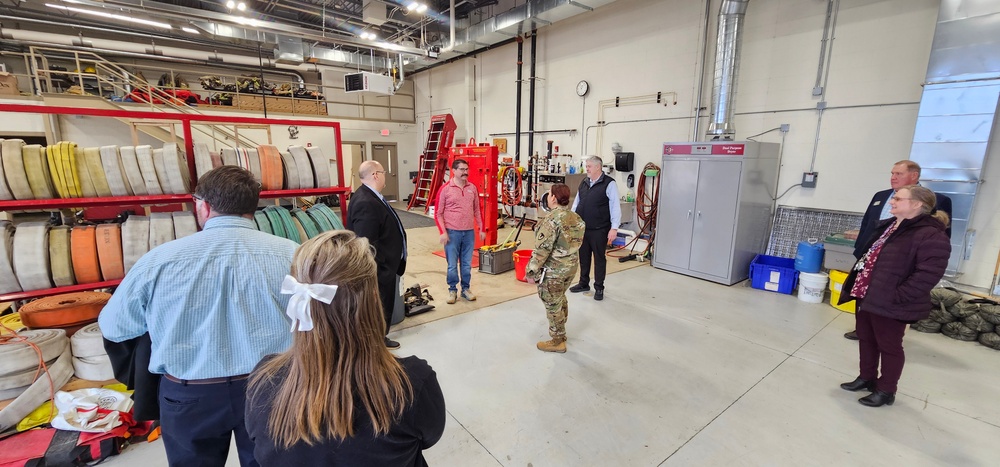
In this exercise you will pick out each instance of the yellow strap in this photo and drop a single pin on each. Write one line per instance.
(55, 169)
(92, 157)
(67, 158)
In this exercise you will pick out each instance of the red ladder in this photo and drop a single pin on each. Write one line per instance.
(432, 168)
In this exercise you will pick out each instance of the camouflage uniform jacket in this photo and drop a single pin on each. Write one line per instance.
(557, 243)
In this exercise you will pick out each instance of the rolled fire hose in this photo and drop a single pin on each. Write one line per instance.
(291, 172)
(40, 391)
(184, 224)
(144, 156)
(130, 165)
(60, 256)
(62, 311)
(8, 280)
(36, 167)
(320, 165)
(161, 228)
(303, 166)
(114, 171)
(5, 194)
(94, 166)
(135, 240)
(31, 255)
(90, 360)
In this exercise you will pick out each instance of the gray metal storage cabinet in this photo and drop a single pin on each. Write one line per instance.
(715, 207)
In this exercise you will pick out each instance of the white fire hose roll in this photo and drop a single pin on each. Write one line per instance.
(60, 372)
(90, 360)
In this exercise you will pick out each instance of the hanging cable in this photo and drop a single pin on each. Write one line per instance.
(646, 204)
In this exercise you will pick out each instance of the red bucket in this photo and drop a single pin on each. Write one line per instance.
(521, 259)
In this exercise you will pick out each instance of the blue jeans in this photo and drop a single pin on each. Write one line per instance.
(459, 251)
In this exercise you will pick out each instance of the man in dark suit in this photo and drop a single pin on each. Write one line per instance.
(370, 216)
(905, 172)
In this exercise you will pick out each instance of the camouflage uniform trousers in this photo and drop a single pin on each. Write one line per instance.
(553, 294)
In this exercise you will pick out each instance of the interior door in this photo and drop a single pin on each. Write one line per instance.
(715, 217)
(354, 155)
(676, 218)
(385, 154)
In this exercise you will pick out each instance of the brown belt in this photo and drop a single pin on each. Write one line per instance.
(227, 379)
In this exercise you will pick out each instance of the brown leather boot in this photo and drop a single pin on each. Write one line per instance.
(556, 344)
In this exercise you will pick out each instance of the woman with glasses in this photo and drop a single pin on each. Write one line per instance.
(337, 396)
(904, 259)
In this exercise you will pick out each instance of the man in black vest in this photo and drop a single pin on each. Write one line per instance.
(370, 216)
(597, 203)
(904, 172)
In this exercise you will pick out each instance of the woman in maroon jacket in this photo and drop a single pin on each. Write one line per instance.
(905, 258)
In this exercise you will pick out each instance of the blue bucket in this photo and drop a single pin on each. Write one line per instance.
(809, 256)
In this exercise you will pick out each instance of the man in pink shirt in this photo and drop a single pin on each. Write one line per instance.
(456, 214)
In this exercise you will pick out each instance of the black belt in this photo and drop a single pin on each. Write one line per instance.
(226, 379)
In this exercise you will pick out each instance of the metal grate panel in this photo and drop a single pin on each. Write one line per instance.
(792, 225)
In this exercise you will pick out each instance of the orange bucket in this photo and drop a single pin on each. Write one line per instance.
(521, 259)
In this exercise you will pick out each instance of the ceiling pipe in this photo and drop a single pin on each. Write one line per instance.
(259, 27)
(402, 74)
(135, 50)
(727, 66)
(451, 44)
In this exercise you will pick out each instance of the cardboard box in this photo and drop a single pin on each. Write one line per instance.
(8, 84)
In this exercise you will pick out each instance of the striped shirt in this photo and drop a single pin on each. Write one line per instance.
(457, 208)
(210, 301)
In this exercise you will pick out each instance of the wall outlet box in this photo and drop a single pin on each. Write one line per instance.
(809, 179)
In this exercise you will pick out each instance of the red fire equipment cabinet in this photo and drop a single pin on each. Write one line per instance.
(482, 159)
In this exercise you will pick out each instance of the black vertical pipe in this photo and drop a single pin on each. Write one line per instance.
(531, 114)
(517, 111)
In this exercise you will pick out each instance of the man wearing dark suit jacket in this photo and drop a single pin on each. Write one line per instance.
(370, 216)
(905, 172)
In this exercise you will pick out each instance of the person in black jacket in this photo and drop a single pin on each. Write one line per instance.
(905, 172)
(905, 258)
(597, 203)
(338, 396)
(371, 217)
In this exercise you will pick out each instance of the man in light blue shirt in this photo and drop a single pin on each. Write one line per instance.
(212, 306)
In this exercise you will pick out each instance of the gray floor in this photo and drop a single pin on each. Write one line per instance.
(671, 370)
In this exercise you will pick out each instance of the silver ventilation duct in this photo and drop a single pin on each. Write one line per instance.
(957, 111)
(727, 66)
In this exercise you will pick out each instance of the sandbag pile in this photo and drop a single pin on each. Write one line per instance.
(966, 320)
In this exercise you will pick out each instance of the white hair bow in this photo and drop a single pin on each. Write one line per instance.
(302, 295)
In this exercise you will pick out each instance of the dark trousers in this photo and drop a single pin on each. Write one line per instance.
(595, 243)
(388, 290)
(880, 339)
(198, 419)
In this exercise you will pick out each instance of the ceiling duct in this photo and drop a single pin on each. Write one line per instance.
(290, 51)
(531, 15)
(340, 58)
(727, 67)
(374, 12)
(957, 113)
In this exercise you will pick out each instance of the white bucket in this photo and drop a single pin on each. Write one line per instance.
(812, 286)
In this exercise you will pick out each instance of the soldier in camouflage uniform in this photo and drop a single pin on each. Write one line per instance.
(557, 243)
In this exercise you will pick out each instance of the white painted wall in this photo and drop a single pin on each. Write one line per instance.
(638, 47)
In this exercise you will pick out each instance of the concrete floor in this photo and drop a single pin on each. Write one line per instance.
(671, 370)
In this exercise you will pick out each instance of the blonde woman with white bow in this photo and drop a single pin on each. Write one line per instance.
(338, 396)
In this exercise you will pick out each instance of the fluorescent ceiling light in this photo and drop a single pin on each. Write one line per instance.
(230, 4)
(246, 21)
(412, 6)
(112, 16)
(422, 8)
(241, 6)
(190, 30)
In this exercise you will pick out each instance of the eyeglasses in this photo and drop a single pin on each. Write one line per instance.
(197, 198)
(378, 172)
(896, 198)
(462, 169)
